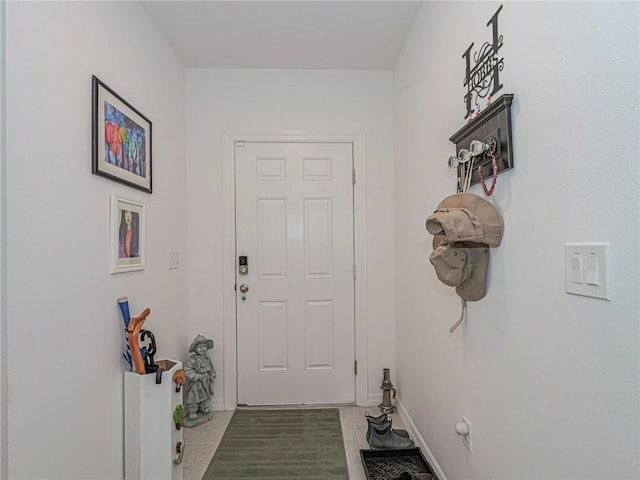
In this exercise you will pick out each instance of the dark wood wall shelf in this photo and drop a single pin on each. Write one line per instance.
(494, 122)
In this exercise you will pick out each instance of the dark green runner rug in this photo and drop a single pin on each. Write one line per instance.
(281, 444)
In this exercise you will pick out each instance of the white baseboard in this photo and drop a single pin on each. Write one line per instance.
(417, 438)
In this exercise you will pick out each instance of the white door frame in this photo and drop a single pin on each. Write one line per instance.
(4, 355)
(229, 138)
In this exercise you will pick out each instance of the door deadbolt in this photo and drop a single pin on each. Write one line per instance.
(243, 267)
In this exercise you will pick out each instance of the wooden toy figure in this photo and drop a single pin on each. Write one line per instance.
(200, 375)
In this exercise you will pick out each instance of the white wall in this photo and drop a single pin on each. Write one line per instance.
(64, 326)
(287, 100)
(548, 380)
(4, 430)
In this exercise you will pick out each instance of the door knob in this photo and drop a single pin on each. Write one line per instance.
(244, 288)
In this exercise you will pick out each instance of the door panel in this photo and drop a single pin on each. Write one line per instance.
(319, 337)
(272, 237)
(272, 322)
(294, 222)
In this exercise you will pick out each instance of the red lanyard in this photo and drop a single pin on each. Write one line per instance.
(489, 191)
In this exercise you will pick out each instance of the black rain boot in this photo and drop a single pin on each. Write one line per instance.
(381, 420)
(382, 436)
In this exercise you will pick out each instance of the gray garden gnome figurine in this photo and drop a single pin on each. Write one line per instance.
(200, 375)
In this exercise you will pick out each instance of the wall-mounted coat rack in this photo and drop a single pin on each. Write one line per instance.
(491, 127)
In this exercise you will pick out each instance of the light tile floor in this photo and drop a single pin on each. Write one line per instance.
(201, 442)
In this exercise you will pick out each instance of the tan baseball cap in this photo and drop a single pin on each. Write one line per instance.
(466, 217)
(463, 266)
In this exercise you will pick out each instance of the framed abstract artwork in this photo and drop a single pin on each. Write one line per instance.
(121, 139)
(127, 234)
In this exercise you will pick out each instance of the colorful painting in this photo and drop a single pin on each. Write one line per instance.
(124, 141)
(121, 139)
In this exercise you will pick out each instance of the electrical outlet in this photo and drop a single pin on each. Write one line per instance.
(466, 439)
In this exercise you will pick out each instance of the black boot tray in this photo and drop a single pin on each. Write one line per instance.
(390, 464)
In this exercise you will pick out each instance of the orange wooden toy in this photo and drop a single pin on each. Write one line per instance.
(135, 325)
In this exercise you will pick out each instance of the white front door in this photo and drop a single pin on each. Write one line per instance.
(294, 223)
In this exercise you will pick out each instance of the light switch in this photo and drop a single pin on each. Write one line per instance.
(591, 267)
(174, 259)
(587, 270)
(576, 267)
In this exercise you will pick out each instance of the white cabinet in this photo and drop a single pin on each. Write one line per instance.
(151, 439)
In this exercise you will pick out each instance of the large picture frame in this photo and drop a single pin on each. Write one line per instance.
(127, 234)
(121, 139)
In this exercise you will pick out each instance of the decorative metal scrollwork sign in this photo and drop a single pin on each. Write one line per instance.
(484, 78)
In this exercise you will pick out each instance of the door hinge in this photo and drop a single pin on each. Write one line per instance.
(353, 176)
(355, 271)
(355, 367)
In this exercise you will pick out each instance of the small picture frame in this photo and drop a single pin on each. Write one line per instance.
(121, 139)
(127, 234)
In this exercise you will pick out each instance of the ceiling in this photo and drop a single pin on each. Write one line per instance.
(300, 34)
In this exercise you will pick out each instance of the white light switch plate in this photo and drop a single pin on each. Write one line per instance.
(593, 278)
(174, 259)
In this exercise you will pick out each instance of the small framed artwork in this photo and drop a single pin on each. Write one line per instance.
(121, 139)
(127, 234)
